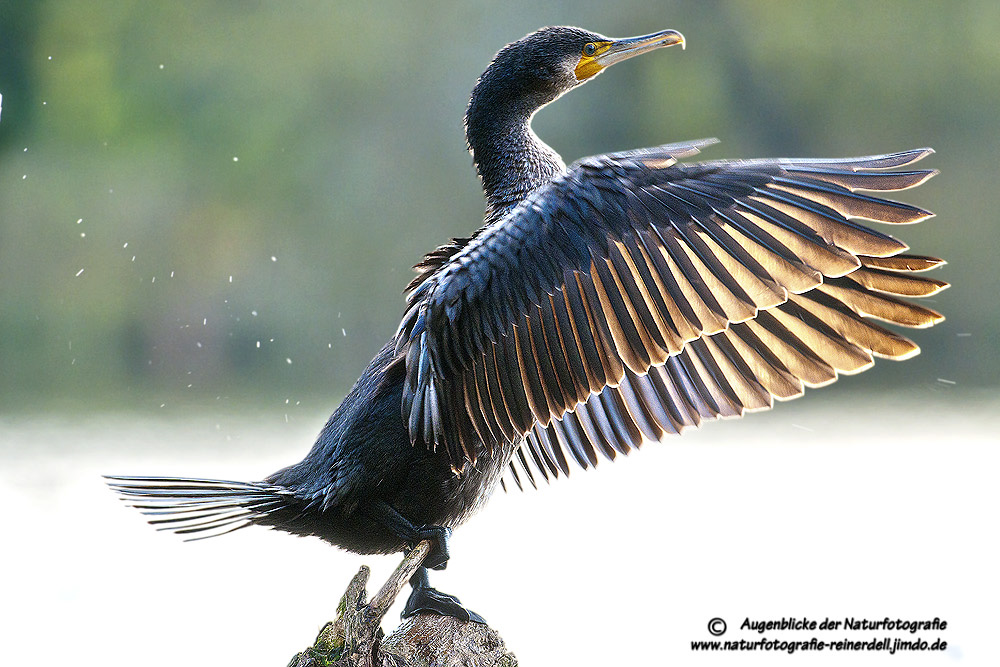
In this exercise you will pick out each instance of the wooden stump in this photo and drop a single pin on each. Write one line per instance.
(355, 638)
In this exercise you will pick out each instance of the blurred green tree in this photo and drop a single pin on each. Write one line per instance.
(223, 198)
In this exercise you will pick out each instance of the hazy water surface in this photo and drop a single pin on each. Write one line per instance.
(870, 510)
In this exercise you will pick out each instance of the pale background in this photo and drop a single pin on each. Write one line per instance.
(228, 173)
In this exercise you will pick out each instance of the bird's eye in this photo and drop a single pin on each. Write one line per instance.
(590, 49)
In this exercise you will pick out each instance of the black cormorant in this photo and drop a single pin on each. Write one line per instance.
(619, 299)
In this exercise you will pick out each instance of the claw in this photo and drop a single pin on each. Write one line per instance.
(423, 598)
(438, 557)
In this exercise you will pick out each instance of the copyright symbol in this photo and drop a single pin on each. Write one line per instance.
(717, 627)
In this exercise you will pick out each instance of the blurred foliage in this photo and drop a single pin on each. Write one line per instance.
(223, 198)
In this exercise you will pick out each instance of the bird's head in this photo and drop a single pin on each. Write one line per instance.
(523, 77)
(543, 65)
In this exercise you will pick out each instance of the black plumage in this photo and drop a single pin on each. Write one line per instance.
(615, 301)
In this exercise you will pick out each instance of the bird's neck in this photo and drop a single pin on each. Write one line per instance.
(510, 158)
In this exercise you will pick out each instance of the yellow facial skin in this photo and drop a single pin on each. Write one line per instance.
(588, 65)
(596, 56)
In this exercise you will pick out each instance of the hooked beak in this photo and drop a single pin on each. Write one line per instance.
(623, 49)
(616, 50)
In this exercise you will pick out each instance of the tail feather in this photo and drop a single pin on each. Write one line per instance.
(201, 508)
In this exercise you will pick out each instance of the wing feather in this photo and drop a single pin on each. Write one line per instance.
(634, 296)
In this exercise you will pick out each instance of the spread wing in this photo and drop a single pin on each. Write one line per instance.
(634, 296)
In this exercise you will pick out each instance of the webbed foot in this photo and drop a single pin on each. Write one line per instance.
(411, 533)
(439, 554)
(423, 598)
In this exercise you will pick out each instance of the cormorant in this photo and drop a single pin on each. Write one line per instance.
(619, 299)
